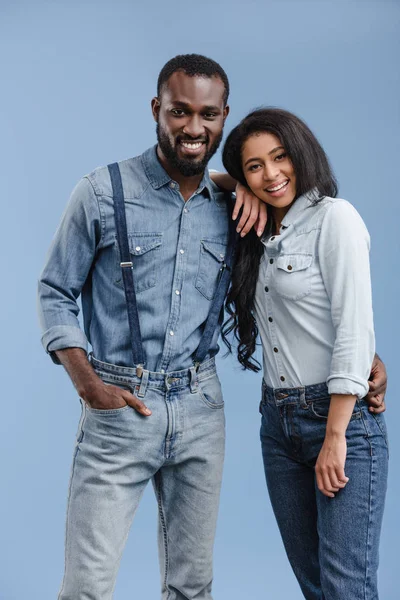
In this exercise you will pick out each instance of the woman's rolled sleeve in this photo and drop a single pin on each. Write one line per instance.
(344, 262)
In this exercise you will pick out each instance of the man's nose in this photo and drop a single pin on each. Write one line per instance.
(194, 127)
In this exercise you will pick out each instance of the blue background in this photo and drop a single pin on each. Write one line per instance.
(77, 79)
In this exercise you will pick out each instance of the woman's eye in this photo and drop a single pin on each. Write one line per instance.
(253, 167)
(281, 156)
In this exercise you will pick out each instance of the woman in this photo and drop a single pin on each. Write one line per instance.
(305, 287)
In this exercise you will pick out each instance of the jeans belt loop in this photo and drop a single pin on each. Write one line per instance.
(143, 384)
(303, 402)
(194, 381)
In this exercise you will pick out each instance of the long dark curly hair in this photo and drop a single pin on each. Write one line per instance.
(313, 176)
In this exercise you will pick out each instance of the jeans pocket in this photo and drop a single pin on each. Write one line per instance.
(319, 409)
(210, 392)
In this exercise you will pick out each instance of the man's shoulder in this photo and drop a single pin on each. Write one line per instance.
(132, 173)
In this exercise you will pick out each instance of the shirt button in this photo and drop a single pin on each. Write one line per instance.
(271, 260)
(177, 292)
(282, 378)
(137, 248)
(171, 332)
(266, 288)
(275, 349)
(172, 185)
(289, 267)
(270, 319)
(185, 210)
(181, 251)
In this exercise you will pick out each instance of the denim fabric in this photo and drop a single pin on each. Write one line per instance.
(313, 303)
(181, 448)
(332, 543)
(177, 252)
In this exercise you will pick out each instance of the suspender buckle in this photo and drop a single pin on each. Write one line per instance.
(139, 370)
(128, 265)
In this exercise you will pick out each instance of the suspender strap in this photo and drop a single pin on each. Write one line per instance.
(126, 265)
(219, 297)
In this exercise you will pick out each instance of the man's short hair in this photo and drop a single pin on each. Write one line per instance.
(193, 65)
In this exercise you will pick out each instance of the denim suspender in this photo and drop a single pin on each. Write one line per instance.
(126, 266)
(219, 297)
(127, 274)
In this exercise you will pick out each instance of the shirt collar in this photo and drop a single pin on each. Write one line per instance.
(158, 176)
(297, 207)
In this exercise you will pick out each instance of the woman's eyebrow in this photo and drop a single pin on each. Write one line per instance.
(275, 149)
(251, 159)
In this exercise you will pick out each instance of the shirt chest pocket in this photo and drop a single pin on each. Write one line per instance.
(293, 276)
(145, 251)
(212, 258)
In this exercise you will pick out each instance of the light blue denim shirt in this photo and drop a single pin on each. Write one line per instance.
(313, 299)
(177, 248)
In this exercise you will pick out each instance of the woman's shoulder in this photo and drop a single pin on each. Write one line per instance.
(340, 214)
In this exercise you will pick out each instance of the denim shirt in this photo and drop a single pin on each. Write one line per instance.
(177, 251)
(313, 302)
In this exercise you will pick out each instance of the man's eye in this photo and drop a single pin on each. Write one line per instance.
(210, 115)
(281, 156)
(177, 112)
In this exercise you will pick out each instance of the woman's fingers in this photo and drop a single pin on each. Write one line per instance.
(330, 480)
(338, 478)
(238, 203)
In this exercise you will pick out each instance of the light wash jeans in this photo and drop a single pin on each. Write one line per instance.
(332, 543)
(181, 448)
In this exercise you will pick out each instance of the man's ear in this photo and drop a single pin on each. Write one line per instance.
(155, 108)
(226, 112)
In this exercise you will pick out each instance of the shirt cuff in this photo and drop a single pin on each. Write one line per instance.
(342, 384)
(60, 337)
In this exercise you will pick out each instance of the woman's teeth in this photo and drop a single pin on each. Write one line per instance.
(278, 187)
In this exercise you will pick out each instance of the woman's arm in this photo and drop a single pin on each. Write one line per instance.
(329, 468)
(344, 261)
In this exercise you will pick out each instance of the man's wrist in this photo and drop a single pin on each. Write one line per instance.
(89, 388)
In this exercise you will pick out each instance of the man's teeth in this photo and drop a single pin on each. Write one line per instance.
(277, 187)
(192, 146)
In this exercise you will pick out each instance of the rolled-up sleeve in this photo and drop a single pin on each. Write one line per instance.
(67, 266)
(344, 261)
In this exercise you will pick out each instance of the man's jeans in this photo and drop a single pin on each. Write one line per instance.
(181, 448)
(332, 543)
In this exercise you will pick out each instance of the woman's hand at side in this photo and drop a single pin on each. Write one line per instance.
(330, 465)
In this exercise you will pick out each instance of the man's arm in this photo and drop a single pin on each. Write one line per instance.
(68, 263)
(377, 386)
(254, 211)
(91, 388)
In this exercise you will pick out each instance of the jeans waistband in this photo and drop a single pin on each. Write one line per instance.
(298, 395)
(174, 379)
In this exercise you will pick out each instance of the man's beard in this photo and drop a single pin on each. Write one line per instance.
(186, 166)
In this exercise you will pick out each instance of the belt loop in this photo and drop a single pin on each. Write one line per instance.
(143, 384)
(303, 402)
(194, 381)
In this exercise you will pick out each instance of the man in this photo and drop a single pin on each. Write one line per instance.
(153, 342)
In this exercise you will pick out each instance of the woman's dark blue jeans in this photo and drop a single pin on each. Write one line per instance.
(332, 543)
